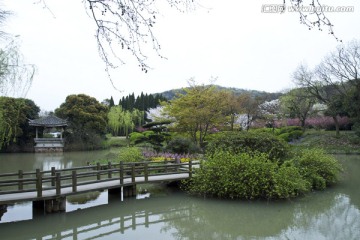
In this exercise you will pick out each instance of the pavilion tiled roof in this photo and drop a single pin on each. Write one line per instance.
(49, 121)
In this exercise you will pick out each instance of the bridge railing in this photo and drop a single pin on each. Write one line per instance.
(56, 179)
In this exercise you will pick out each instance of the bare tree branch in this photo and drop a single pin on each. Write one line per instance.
(314, 16)
(341, 68)
(3, 15)
(127, 25)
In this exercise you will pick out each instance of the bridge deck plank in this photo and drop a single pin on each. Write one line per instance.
(65, 191)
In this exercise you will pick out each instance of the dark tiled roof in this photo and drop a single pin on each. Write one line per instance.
(49, 121)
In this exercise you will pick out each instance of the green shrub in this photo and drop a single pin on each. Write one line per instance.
(136, 137)
(131, 154)
(285, 137)
(296, 134)
(290, 136)
(289, 129)
(275, 131)
(289, 182)
(154, 139)
(118, 142)
(356, 128)
(319, 169)
(228, 175)
(182, 145)
(249, 142)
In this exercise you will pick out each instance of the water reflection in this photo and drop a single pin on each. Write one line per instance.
(341, 221)
(85, 200)
(12, 162)
(178, 216)
(45, 161)
(17, 212)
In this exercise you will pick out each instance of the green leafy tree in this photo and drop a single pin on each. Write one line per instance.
(198, 110)
(234, 107)
(114, 119)
(352, 105)
(250, 107)
(298, 103)
(87, 117)
(111, 102)
(14, 115)
(156, 135)
(124, 121)
(142, 102)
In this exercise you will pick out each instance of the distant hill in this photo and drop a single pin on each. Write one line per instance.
(267, 96)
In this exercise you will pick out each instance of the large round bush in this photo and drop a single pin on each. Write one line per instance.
(228, 175)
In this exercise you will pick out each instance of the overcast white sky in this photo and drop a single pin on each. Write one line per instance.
(230, 39)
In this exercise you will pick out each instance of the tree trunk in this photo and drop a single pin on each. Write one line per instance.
(232, 120)
(303, 125)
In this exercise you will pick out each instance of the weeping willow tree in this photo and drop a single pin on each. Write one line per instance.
(14, 115)
(9, 121)
(124, 121)
(16, 75)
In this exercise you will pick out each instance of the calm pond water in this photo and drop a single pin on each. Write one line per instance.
(166, 213)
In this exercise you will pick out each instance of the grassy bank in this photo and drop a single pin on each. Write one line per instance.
(346, 143)
(115, 142)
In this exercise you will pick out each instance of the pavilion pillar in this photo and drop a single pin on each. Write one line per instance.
(36, 132)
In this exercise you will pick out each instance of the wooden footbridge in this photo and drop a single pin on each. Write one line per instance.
(48, 189)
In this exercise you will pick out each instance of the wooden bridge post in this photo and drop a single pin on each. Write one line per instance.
(98, 171)
(58, 183)
(109, 170)
(48, 205)
(165, 165)
(53, 176)
(133, 173)
(146, 173)
(74, 181)
(20, 178)
(62, 204)
(55, 205)
(38, 183)
(58, 204)
(121, 173)
(190, 169)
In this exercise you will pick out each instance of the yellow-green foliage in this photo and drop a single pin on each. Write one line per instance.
(234, 169)
(228, 175)
(131, 154)
(162, 158)
(317, 167)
